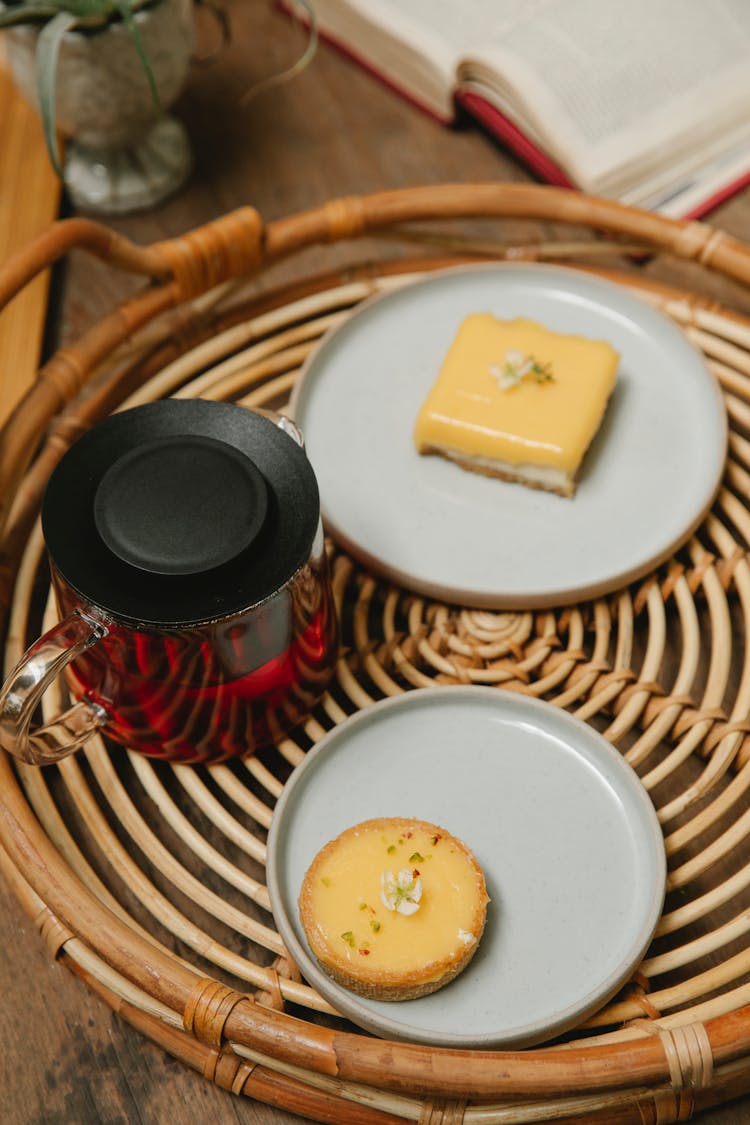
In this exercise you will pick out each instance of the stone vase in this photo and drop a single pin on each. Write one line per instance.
(124, 152)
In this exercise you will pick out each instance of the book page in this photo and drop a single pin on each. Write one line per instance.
(458, 26)
(401, 44)
(615, 93)
(418, 45)
(607, 83)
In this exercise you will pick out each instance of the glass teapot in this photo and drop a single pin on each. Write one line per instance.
(196, 613)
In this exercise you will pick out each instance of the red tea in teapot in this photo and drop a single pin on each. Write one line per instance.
(187, 695)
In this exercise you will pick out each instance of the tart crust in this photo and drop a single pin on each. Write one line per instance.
(378, 952)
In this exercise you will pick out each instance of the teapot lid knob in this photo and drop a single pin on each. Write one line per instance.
(180, 505)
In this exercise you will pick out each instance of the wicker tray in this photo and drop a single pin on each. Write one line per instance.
(148, 880)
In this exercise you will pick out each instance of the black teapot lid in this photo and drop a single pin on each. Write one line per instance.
(181, 511)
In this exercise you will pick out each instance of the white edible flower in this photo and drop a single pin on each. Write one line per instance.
(401, 892)
(520, 363)
(515, 367)
(505, 380)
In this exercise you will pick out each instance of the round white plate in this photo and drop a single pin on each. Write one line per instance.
(565, 833)
(647, 481)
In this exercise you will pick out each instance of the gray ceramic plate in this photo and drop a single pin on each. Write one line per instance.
(647, 480)
(567, 837)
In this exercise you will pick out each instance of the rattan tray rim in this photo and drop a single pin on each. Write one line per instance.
(666, 1058)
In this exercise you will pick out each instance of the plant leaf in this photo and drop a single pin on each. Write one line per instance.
(48, 49)
(311, 19)
(86, 9)
(125, 8)
(31, 13)
(224, 24)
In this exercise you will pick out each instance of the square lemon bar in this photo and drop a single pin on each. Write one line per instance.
(515, 400)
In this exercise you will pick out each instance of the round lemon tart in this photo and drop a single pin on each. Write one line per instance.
(394, 908)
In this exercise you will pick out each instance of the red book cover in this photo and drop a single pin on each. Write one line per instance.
(511, 136)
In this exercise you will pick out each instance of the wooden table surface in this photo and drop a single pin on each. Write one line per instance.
(334, 131)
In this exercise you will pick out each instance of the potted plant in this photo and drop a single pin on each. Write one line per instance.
(105, 72)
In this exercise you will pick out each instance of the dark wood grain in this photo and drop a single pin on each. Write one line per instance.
(64, 1057)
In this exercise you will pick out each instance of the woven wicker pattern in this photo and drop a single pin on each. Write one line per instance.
(148, 880)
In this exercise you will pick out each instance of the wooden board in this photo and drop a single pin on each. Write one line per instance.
(29, 201)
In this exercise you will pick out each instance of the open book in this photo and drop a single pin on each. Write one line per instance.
(647, 102)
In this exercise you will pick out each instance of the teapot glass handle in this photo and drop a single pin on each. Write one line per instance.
(291, 428)
(282, 422)
(23, 690)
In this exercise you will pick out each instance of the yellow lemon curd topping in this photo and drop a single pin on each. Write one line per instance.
(393, 899)
(514, 391)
